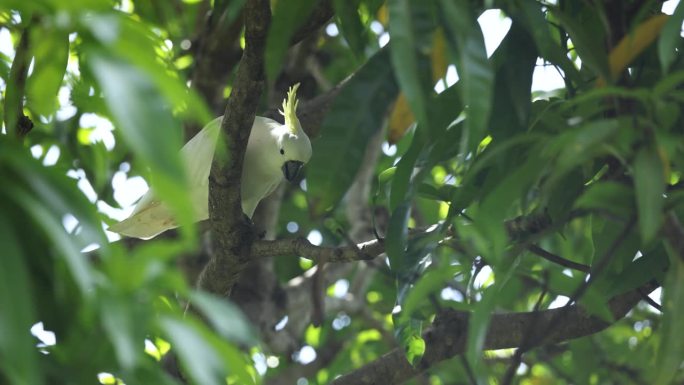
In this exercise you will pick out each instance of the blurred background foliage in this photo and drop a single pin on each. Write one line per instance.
(477, 183)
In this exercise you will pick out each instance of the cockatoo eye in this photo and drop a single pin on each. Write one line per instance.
(282, 152)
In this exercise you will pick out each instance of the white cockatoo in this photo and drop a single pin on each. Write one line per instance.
(274, 152)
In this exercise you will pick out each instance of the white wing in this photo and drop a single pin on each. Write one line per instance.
(150, 216)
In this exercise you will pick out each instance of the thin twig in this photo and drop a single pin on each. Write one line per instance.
(650, 300)
(557, 259)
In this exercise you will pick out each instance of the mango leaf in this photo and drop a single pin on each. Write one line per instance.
(206, 358)
(62, 244)
(649, 183)
(650, 266)
(18, 354)
(530, 16)
(287, 17)
(355, 116)
(402, 188)
(132, 41)
(198, 358)
(121, 318)
(397, 234)
(400, 119)
(579, 144)
(671, 38)
(614, 197)
(350, 24)
(404, 51)
(634, 44)
(670, 353)
(428, 283)
(409, 336)
(227, 318)
(514, 61)
(589, 48)
(145, 121)
(51, 53)
(475, 72)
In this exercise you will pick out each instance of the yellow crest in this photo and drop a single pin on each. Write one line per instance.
(289, 110)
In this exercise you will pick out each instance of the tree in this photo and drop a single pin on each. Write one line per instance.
(502, 235)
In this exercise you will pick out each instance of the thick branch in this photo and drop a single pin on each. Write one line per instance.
(232, 235)
(303, 248)
(448, 335)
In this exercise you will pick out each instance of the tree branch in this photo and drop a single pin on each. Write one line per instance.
(303, 248)
(232, 234)
(447, 337)
(15, 120)
(557, 260)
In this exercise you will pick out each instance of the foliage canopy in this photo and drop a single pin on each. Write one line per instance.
(510, 235)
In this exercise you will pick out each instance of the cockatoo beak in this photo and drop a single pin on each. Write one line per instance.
(291, 169)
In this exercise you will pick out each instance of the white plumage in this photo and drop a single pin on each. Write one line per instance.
(274, 152)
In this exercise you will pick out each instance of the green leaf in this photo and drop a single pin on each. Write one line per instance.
(122, 322)
(204, 357)
(530, 15)
(579, 144)
(475, 71)
(198, 358)
(428, 283)
(671, 38)
(649, 182)
(514, 61)
(670, 353)
(409, 336)
(595, 302)
(18, 354)
(51, 53)
(397, 234)
(350, 24)
(61, 241)
(650, 266)
(355, 116)
(227, 318)
(287, 17)
(402, 186)
(145, 121)
(617, 198)
(404, 51)
(132, 41)
(588, 44)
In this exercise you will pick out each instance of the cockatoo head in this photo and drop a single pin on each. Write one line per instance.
(293, 143)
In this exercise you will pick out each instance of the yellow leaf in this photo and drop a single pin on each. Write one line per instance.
(400, 119)
(632, 45)
(438, 55)
(383, 16)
